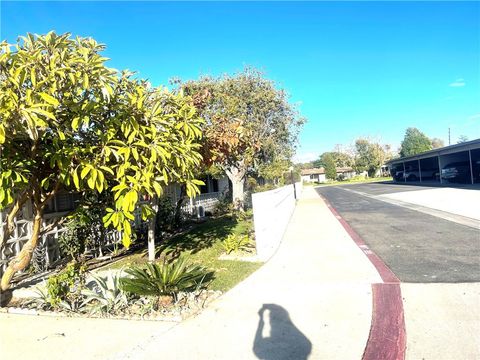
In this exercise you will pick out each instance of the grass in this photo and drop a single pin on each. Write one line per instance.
(204, 244)
(356, 181)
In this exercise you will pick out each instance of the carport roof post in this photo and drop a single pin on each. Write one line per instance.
(466, 146)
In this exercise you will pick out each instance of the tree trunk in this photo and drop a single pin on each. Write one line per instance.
(237, 177)
(151, 232)
(178, 206)
(23, 258)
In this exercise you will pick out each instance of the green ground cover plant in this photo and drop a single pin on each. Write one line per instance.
(204, 245)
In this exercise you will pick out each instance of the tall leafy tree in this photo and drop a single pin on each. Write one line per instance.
(68, 122)
(340, 159)
(274, 170)
(249, 124)
(462, 139)
(370, 156)
(414, 142)
(328, 162)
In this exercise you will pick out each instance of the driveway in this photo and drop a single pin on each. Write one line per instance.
(405, 227)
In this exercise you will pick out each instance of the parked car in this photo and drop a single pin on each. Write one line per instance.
(456, 172)
(398, 176)
(414, 175)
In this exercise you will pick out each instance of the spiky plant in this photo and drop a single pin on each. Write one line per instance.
(106, 295)
(166, 278)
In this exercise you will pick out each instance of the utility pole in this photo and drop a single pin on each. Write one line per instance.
(448, 136)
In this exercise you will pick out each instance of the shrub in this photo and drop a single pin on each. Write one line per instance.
(235, 243)
(65, 288)
(224, 206)
(106, 295)
(73, 240)
(265, 187)
(85, 228)
(167, 278)
(165, 219)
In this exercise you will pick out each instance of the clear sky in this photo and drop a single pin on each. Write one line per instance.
(356, 68)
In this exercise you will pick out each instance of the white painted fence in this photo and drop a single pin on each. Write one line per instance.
(271, 214)
(207, 201)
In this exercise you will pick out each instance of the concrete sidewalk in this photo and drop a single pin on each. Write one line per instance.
(314, 296)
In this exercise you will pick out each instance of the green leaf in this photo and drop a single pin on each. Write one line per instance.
(49, 99)
(100, 180)
(43, 112)
(92, 179)
(76, 180)
(84, 172)
(75, 123)
(2, 134)
(107, 169)
(157, 188)
(33, 77)
(198, 182)
(126, 240)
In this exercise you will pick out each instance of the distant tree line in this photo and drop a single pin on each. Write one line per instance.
(369, 155)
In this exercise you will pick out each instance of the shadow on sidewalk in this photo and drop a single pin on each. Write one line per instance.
(285, 340)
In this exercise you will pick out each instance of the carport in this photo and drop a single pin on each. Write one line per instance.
(459, 163)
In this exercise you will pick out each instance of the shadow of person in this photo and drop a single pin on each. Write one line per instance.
(285, 340)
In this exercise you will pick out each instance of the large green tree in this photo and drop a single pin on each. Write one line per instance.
(67, 122)
(369, 156)
(340, 159)
(414, 142)
(249, 124)
(328, 162)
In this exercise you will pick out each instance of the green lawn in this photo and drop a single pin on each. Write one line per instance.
(356, 181)
(204, 244)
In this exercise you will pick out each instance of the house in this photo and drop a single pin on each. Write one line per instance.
(345, 173)
(313, 175)
(210, 194)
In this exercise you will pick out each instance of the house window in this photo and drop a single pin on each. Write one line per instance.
(211, 185)
(62, 202)
(204, 188)
(215, 185)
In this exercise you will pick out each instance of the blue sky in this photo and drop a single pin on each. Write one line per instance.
(355, 68)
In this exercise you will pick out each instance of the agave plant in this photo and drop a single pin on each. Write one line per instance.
(167, 278)
(106, 295)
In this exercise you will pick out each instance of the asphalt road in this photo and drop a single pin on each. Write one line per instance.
(417, 247)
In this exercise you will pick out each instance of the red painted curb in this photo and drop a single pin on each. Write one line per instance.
(387, 339)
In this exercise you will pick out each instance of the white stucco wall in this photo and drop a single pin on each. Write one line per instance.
(271, 214)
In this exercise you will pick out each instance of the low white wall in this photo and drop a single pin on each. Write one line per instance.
(271, 214)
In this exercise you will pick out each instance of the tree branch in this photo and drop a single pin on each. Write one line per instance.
(58, 221)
